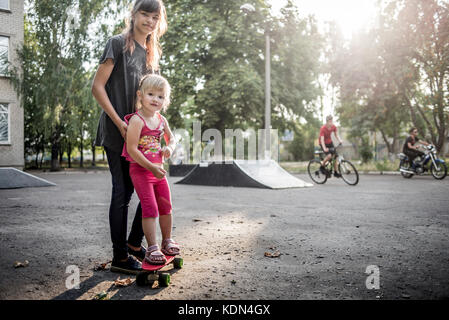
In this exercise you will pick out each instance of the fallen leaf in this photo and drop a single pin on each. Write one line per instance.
(18, 264)
(102, 266)
(123, 283)
(272, 255)
(101, 296)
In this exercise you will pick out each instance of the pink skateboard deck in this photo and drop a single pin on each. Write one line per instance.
(153, 267)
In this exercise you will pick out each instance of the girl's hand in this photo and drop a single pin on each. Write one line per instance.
(158, 172)
(166, 152)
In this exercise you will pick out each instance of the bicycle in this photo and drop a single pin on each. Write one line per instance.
(320, 175)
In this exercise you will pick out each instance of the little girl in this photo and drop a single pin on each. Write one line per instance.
(143, 149)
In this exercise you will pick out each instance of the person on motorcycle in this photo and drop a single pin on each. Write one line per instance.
(326, 144)
(410, 148)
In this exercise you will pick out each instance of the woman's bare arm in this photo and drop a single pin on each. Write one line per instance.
(99, 92)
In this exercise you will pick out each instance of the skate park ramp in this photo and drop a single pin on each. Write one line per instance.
(12, 178)
(180, 170)
(243, 173)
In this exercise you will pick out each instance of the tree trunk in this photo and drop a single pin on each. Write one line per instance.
(61, 156)
(388, 144)
(54, 158)
(42, 158)
(36, 161)
(81, 154)
(69, 154)
(93, 154)
(55, 147)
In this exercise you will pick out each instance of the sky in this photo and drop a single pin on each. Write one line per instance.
(350, 15)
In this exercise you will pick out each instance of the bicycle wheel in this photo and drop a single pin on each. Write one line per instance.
(348, 172)
(315, 173)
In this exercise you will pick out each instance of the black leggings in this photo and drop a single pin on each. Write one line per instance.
(122, 190)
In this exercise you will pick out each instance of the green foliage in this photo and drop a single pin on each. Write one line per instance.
(305, 138)
(365, 150)
(52, 80)
(214, 54)
(396, 75)
(384, 165)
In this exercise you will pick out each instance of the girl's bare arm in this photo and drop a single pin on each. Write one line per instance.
(169, 138)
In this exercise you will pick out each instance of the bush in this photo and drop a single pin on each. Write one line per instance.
(383, 165)
(365, 150)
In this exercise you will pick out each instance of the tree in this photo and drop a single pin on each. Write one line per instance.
(214, 58)
(57, 44)
(424, 25)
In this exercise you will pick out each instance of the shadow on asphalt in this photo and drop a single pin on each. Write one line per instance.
(104, 281)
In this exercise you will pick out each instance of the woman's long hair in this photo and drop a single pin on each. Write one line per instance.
(154, 50)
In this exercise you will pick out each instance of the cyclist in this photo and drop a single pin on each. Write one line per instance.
(410, 148)
(326, 144)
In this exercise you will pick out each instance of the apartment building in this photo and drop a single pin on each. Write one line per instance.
(11, 111)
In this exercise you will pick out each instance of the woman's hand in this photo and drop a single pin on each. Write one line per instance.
(123, 128)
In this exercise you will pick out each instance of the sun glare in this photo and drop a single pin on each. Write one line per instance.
(350, 15)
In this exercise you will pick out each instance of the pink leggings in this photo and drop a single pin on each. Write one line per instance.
(154, 193)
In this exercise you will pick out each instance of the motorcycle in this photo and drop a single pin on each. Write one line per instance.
(429, 162)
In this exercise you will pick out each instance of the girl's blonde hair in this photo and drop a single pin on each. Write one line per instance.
(155, 81)
(154, 50)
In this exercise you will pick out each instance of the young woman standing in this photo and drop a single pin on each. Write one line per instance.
(126, 58)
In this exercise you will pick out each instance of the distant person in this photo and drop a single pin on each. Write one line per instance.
(326, 144)
(410, 147)
(143, 149)
(126, 58)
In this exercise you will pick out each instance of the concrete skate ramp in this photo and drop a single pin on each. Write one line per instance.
(242, 173)
(179, 170)
(12, 178)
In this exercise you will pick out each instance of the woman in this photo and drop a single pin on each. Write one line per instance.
(126, 58)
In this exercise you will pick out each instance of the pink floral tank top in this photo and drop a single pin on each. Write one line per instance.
(149, 142)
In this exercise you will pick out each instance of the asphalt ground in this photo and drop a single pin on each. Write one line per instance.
(325, 239)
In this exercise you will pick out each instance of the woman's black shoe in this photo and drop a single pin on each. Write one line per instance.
(139, 254)
(130, 266)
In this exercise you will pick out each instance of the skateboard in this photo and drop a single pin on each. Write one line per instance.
(151, 272)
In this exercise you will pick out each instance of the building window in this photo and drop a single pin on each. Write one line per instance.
(4, 123)
(4, 55)
(4, 4)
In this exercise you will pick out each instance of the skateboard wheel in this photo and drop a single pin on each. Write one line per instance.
(164, 279)
(178, 263)
(142, 279)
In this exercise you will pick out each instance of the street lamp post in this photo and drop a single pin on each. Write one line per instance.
(249, 8)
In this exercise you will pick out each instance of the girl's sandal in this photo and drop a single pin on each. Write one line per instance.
(154, 255)
(170, 247)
